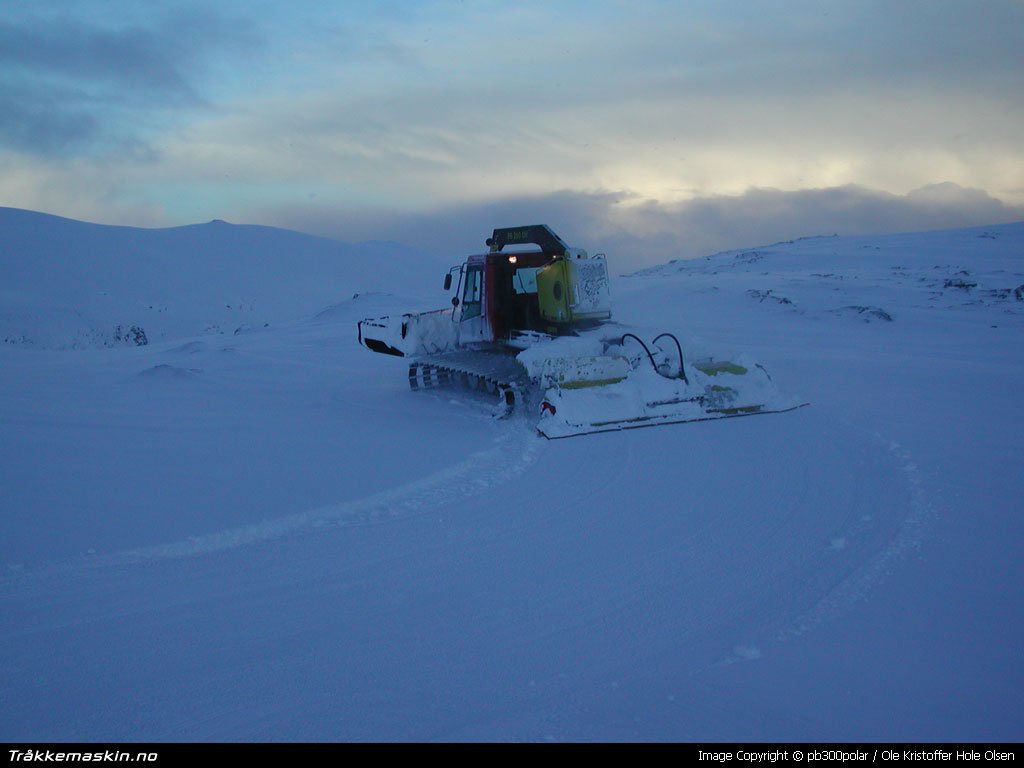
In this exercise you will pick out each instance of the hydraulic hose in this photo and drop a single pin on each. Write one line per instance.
(654, 365)
(679, 348)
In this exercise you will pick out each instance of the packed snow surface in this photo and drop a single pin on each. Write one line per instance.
(264, 535)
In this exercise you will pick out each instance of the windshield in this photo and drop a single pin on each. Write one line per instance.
(525, 280)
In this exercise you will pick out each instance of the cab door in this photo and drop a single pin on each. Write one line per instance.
(473, 325)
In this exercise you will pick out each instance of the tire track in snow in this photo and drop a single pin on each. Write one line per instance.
(876, 569)
(510, 454)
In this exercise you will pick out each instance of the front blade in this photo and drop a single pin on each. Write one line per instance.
(555, 430)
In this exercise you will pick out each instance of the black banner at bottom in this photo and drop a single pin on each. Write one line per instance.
(712, 753)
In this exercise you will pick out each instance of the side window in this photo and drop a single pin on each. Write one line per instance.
(472, 293)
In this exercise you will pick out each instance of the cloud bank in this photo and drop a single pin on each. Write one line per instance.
(646, 233)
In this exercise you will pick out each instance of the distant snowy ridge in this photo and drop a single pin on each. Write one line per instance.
(71, 285)
(960, 269)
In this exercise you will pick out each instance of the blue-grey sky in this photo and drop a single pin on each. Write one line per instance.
(674, 128)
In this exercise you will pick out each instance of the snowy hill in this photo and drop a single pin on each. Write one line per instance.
(267, 536)
(958, 270)
(69, 284)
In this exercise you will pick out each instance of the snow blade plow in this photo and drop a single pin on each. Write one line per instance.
(650, 396)
(631, 383)
(532, 329)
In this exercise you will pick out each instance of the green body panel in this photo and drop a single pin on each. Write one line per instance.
(591, 383)
(715, 367)
(554, 287)
(573, 292)
(740, 409)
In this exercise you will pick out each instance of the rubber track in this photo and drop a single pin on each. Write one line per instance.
(487, 372)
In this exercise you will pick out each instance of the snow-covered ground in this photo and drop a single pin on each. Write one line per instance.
(264, 535)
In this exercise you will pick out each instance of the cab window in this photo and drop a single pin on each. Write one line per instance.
(472, 294)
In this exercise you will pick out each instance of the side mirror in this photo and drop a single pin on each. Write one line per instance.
(448, 281)
(455, 301)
